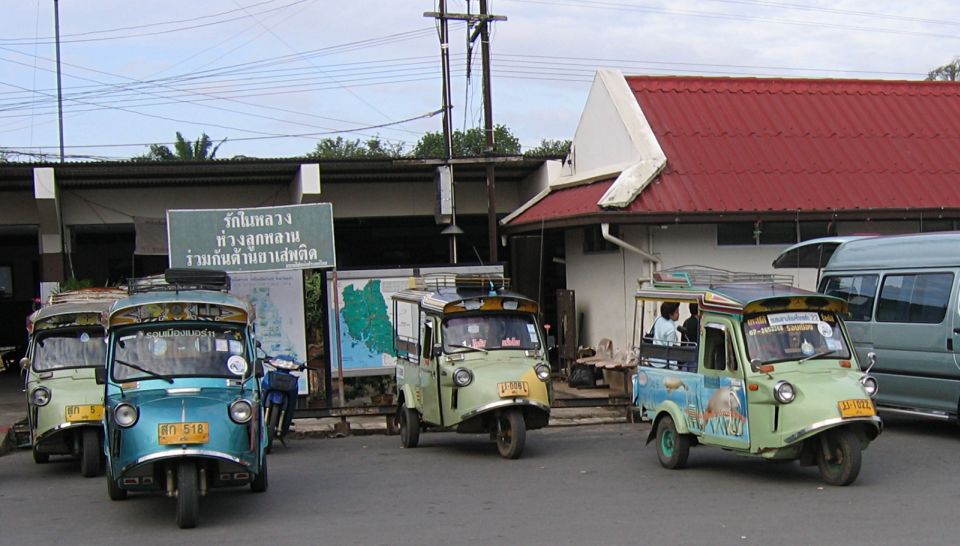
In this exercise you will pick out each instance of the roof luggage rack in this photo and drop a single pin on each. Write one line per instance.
(688, 276)
(87, 295)
(488, 281)
(176, 279)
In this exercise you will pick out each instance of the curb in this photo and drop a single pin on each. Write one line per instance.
(370, 429)
(7, 443)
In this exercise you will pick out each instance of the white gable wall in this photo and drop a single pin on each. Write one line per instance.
(602, 141)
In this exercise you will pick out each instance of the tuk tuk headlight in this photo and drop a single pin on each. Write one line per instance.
(241, 411)
(462, 377)
(870, 385)
(784, 392)
(543, 371)
(125, 415)
(40, 396)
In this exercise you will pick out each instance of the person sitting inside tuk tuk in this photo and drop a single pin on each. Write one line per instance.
(665, 331)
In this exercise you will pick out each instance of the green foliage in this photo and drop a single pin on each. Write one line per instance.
(550, 148)
(201, 149)
(469, 143)
(949, 72)
(75, 284)
(313, 299)
(339, 148)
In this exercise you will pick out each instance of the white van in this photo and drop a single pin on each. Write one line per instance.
(903, 295)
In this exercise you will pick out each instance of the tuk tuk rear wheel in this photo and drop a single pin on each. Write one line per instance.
(673, 448)
(259, 483)
(511, 433)
(90, 455)
(409, 426)
(113, 490)
(839, 457)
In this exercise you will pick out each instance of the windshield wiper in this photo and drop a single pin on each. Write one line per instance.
(144, 370)
(816, 355)
(465, 346)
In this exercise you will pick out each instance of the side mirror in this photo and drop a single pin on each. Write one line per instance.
(100, 375)
(258, 368)
(872, 361)
(24, 363)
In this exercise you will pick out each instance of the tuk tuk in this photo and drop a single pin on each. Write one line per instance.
(772, 375)
(470, 358)
(182, 406)
(64, 401)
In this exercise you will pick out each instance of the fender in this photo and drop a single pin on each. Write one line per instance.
(407, 397)
(668, 407)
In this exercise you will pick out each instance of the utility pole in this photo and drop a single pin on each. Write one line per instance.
(56, 24)
(488, 130)
(481, 20)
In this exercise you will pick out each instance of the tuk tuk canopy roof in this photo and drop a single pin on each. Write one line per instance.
(446, 300)
(181, 305)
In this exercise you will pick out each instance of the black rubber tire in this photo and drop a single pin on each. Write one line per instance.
(273, 420)
(40, 458)
(846, 454)
(91, 453)
(511, 433)
(409, 426)
(113, 490)
(260, 481)
(673, 448)
(188, 495)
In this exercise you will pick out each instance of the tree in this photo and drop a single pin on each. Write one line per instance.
(183, 150)
(338, 148)
(949, 72)
(469, 143)
(550, 148)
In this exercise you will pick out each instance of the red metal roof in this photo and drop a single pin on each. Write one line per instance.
(742, 145)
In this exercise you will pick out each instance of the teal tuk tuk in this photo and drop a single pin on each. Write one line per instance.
(773, 375)
(64, 401)
(183, 403)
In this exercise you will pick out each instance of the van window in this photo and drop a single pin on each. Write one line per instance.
(920, 298)
(859, 291)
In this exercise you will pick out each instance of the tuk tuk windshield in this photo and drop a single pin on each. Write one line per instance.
(207, 350)
(490, 332)
(794, 335)
(69, 348)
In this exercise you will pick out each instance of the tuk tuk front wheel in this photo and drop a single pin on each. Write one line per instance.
(839, 457)
(188, 498)
(40, 458)
(113, 490)
(90, 455)
(259, 483)
(511, 433)
(673, 448)
(409, 426)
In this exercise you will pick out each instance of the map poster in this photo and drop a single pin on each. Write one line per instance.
(366, 316)
(278, 299)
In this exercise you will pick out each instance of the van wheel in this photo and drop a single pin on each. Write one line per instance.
(90, 456)
(839, 457)
(673, 448)
(188, 497)
(511, 433)
(409, 426)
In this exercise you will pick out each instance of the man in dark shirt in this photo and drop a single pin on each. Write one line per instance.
(690, 330)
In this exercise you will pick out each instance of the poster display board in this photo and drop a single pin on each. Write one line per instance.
(278, 298)
(366, 320)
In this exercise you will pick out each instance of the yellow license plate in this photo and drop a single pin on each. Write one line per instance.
(856, 408)
(84, 412)
(183, 433)
(513, 388)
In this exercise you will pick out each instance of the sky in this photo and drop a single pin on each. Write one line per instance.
(269, 78)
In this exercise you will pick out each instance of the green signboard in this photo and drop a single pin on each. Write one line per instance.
(252, 239)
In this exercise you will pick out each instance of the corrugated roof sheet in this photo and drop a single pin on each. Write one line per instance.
(789, 145)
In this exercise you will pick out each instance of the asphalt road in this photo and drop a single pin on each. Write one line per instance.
(574, 485)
